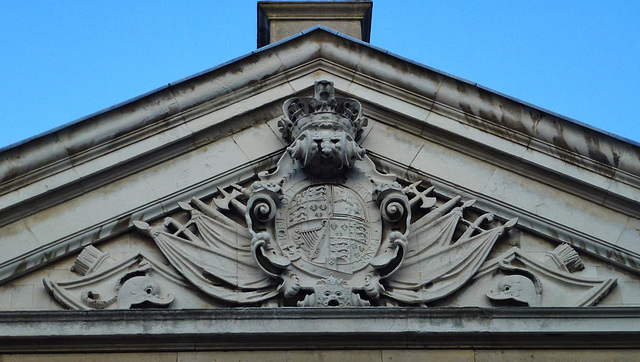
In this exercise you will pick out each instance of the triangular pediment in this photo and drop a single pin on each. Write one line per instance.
(88, 183)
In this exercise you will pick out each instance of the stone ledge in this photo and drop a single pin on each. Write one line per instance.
(318, 328)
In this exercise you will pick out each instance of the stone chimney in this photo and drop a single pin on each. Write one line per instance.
(280, 19)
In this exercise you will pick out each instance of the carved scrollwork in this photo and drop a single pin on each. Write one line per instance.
(262, 208)
(327, 229)
(393, 210)
(327, 210)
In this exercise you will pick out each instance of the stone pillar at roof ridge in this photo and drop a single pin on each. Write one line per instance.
(281, 19)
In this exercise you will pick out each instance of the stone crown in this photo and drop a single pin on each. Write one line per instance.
(322, 111)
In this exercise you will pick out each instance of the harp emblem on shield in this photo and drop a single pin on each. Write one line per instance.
(328, 225)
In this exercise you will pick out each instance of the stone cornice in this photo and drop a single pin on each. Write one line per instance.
(120, 224)
(150, 129)
(318, 328)
(123, 126)
(220, 84)
(532, 222)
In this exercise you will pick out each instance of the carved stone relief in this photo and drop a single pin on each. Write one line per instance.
(522, 280)
(135, 282)
(325, 228)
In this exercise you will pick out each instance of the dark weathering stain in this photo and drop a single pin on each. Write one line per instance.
(487, 114)
(562, 148)
(603, 164)
(616, 158)
(535, 115)
(122, 224)
(11, 173)
(265, 164)
(50, 255)
(593, 145)
(21, 267)
(466, 108)
(234, 68)
(560, 142)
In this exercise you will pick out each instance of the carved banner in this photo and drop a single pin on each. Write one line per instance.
(328, 229)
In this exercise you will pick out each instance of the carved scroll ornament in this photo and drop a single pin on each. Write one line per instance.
(325, 228)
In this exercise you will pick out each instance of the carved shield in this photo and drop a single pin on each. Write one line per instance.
(326, 228)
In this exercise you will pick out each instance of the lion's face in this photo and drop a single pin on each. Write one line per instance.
(325, 152)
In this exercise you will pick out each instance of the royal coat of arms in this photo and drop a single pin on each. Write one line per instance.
(326, 228)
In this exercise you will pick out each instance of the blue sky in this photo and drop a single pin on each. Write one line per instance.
(64, 60)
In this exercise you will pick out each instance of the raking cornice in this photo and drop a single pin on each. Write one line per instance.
(184, 116)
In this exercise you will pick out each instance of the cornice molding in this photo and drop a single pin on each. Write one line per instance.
(122, 223)
(160, 125)
(333, 328)
(321, 43)
(172, 106)
(532, 222)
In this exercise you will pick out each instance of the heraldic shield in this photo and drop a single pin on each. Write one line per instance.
(326, 228)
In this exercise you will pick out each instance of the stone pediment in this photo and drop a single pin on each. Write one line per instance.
(252, 185)
(326, 228)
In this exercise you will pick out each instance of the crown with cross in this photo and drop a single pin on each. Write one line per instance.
(322, 111)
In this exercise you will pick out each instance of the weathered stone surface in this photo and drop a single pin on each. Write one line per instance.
(462, 355)
(557, 356)
(326, 229)
(288, 329)
(279, 20)
(449, 168)
(103, 357)
(411, 98)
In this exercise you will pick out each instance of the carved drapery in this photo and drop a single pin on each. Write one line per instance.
(326, 228)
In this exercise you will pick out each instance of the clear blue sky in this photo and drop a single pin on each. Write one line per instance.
(63, 60)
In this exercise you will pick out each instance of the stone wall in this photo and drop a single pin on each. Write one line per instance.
(388, 355)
